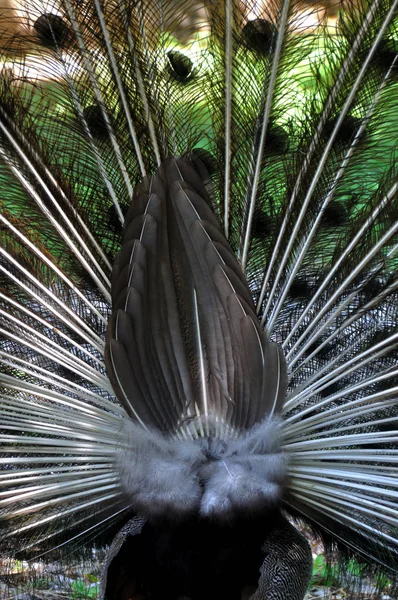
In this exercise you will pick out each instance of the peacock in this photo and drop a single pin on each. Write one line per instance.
(199, 292)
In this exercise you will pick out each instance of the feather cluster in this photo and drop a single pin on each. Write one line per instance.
(223, 480)
(292, 110)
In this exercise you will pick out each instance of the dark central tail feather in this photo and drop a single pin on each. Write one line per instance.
(187, 358)
(183, 323)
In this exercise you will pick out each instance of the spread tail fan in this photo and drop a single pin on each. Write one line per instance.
(199, 253)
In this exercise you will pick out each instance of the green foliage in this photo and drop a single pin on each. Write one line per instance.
(81, 590)
(383, 582)
(322, 573)
(329, 575)
(41, 583)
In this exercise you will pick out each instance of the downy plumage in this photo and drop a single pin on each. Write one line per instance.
(271, 125)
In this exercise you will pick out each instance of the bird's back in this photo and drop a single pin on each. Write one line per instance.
(194, 559)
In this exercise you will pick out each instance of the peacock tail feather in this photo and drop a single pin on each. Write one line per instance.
(292, 112)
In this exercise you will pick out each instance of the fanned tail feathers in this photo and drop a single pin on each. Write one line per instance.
(273, 126)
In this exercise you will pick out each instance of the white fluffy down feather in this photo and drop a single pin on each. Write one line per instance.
(162, 476)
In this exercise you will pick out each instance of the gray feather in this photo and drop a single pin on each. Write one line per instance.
(163, 477)
(184, 324)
